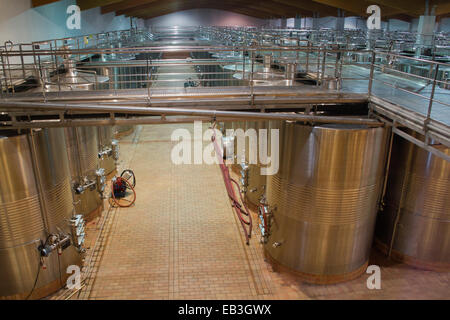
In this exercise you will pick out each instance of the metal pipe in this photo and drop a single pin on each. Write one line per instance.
(39, 185)
(189, 112)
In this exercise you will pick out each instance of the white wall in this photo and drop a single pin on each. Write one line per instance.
(205, 17)
(19, 22)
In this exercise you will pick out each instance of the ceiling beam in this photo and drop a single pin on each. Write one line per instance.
(310, 6)
(357, 7)
(264, 8)
(411, 7)
(443, 7)
(123, 5)
(284, 10)
(37, 3)
(89, 4)
(228, 5)
(237, 6)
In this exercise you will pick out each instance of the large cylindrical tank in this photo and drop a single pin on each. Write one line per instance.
(323, 200)
(239, 148)
(417, 208)
(82, 149)
(105, 147)
(35, 200)
(255, 182)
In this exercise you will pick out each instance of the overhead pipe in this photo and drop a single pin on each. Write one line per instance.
(216, 114)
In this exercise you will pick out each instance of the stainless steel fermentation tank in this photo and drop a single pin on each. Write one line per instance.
(252, 181)
(86, 146)
(87, 177)
(322, 203)
(238, 150)
(35, 201)
(415, 223)
(108, 150)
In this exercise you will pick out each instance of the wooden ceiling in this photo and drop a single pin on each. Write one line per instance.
(264, 9)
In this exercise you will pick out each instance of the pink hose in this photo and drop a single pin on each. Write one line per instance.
(238, 208)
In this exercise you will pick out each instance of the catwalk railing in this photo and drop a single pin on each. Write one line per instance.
(399, 87)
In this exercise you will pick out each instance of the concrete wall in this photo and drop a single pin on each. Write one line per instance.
(205, 17)
(19, 22)
(444, 25)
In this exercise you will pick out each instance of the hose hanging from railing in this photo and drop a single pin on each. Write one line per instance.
(240, 209)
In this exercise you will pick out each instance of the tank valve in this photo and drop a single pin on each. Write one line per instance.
(106, 152)
(87, 184)
(54, 242)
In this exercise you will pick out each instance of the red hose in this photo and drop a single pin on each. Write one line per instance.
(238, 208)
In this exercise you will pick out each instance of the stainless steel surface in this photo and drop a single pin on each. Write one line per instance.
(256, 181)
(239, 147)
(324, 197)
(105, 138)
(418, 199)
(82, 150)
(23, 209)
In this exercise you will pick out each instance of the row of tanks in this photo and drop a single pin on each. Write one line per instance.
(54, 182)
(328, 203)
(54, 179)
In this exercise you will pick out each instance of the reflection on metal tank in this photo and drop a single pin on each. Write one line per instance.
(252, 181)
(35, 201)
(323, 200)
(108, 152)
(416, 213)
(239, 149)
(82, 149)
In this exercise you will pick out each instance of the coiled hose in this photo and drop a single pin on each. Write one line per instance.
(129, 186)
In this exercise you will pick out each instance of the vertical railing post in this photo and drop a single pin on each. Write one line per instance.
(324, 61)
(1, 78)
(319, 50)
(433, 88)
(243, 63)
(148, 80)
(372, 68)
(22, 61)
(307, 56)
(4, 72)
(251, 78)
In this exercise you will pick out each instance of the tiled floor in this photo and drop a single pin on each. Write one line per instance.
(182, 240)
